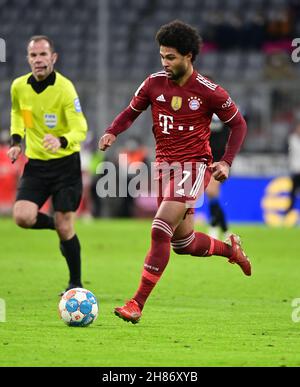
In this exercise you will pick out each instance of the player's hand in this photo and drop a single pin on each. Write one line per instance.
(51, 143)
(220, 170)
(106, 141)
(14, 152)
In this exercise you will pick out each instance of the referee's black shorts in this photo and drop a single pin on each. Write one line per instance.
(59, 178)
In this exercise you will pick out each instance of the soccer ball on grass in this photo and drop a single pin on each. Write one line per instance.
(78, 307)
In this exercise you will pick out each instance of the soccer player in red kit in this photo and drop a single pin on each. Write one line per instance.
(182, 103)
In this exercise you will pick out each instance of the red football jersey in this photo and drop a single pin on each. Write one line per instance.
(182, 115)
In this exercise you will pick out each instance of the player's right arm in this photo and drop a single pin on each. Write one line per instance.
(106, 141)
(124, 120)
(17, 129)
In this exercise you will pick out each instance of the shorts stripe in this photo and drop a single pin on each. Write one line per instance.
(199, 181)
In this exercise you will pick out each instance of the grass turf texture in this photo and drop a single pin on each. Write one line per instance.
(204, 311)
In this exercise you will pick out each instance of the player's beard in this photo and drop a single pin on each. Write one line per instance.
(178, 73)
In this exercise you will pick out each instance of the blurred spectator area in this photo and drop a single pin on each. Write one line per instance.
(107, 48)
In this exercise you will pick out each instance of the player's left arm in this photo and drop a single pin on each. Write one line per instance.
(238, 130)
(228, 112)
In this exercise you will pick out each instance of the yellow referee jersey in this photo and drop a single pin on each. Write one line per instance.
(56, 110)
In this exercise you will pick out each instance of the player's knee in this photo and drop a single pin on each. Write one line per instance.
(24, 219)
(64, 230)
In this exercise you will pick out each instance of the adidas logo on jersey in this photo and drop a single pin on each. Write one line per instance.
(161, 98)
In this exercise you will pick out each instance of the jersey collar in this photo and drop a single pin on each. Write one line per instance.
(39, 86)
(190, 80)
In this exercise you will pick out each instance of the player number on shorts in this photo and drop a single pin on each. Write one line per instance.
(186, 175)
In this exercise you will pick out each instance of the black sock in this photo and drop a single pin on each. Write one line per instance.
(70, 249)
(223, 223)
(217, 215)
(43, 221)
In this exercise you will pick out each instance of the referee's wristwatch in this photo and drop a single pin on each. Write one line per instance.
(63, 142)
(15, 140)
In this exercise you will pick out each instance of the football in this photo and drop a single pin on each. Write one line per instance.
(78, 307)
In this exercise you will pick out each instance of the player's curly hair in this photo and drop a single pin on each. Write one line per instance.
(181, 36)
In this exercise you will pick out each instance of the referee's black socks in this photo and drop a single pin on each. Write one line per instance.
(217, 215)
(44, 221)
(70, 249)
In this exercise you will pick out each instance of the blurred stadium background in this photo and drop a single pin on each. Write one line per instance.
(107, 48)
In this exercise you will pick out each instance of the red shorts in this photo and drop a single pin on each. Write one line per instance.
(183, 183)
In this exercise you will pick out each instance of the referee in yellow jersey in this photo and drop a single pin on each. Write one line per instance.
(46, 112)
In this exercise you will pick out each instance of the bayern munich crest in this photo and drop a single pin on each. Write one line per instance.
(194, 103)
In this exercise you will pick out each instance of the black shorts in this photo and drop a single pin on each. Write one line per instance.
(59, 178)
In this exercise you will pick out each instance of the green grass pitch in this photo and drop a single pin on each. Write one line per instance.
(203, 312)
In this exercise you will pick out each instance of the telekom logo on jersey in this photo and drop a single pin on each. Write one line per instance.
(167, 123)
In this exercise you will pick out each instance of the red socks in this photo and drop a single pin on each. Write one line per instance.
(201, 245)
(196, 244)
(156, 259)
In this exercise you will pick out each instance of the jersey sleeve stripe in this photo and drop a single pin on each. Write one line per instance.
(225, 122)
(136, 110)
(159, 74)
(206, 82)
